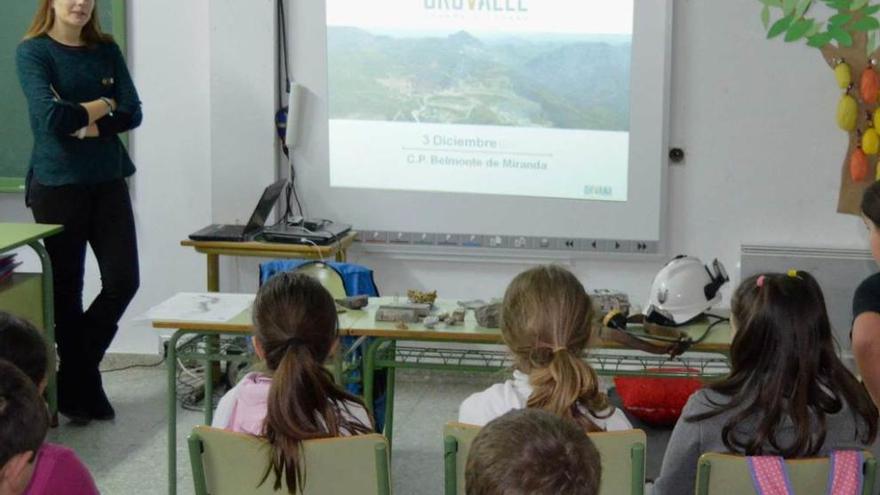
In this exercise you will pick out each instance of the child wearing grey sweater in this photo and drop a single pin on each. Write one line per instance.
(787, 393)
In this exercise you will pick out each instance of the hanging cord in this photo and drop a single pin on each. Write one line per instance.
(133, 366)
(282, 52)
(290, 189)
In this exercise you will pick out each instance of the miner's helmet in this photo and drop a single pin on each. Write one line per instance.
(683, 289)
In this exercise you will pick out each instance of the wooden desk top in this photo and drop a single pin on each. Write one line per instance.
(261, 248)
(363, 323)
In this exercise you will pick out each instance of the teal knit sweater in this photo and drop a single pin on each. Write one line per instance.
(55, 79)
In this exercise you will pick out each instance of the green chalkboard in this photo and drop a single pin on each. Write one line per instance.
(15, 132)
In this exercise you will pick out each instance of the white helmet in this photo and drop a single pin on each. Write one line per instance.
(683, 289)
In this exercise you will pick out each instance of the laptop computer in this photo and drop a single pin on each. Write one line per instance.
(322, 233)
(226, 232)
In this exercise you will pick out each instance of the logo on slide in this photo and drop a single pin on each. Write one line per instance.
(478, 5)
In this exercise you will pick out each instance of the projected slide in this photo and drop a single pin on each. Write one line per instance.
(513, 97)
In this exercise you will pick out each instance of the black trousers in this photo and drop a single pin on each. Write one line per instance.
(99, 215)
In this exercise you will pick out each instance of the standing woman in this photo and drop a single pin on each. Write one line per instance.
(866, 303)
(80, 97)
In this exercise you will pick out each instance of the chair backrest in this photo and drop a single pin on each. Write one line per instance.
(623, 461)
(227, 463)
(457, 440)
(622, 453)
(327, 275)
(727, 473)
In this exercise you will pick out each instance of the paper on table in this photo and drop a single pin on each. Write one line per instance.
(200, 306)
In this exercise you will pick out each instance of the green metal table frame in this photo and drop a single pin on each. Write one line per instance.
(205, 346)
(385, 354)
(16, 235)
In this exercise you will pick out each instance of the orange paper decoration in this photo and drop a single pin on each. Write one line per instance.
(869, 86)
(858, 165)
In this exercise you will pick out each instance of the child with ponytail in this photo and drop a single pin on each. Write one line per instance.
(547, 322)
(295, 330)
(787, 394)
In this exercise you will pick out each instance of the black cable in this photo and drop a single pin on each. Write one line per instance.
(292, 187)
(720, 319)
(282, 18)
(124, 368)
(334, 238)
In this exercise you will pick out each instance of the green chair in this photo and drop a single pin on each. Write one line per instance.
(724, 474)
(622, 452)
(227, 463)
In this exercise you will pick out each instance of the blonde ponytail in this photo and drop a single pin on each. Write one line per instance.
(547, 322)
(565, 386)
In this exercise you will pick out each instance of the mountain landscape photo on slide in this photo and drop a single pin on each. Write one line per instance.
(522, 80)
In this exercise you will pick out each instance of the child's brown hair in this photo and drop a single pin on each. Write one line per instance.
(784, 371)
(23, 345)
(529, 451)
(295, 325)
(547, 322)
(24, 419)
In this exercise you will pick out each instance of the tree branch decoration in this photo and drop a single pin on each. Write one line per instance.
(848, 42)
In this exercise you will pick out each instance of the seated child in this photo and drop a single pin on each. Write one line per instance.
(23, 345)
(532, 452)
(787, 394)
(295, 330)
(27, 465)
(547, 322)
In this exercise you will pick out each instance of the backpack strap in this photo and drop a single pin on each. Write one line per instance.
(769, 475)
(845, 476)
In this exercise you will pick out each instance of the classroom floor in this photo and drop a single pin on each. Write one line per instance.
(128, 455)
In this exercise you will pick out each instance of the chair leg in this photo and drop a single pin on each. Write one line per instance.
(382, 474)
(195, 459)
(171, 367)
(704, 469)
(870, 474)
(389, 405)
(450, 459)
(637, 455)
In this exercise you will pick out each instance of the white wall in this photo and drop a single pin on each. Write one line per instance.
(755, 117)
(210, 149)
(243, 104)
(169, 59)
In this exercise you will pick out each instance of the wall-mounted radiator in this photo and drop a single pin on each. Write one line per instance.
(839, 272)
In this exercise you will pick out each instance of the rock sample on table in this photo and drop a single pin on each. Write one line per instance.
(489, 315)
(409, 313)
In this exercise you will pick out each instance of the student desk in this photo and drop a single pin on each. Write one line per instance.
(213, 250)
(16, 294)
(433, 351)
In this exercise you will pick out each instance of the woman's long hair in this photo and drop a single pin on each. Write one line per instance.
(784, 370)
(296, 326)
(45, 18)
(547, 322)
